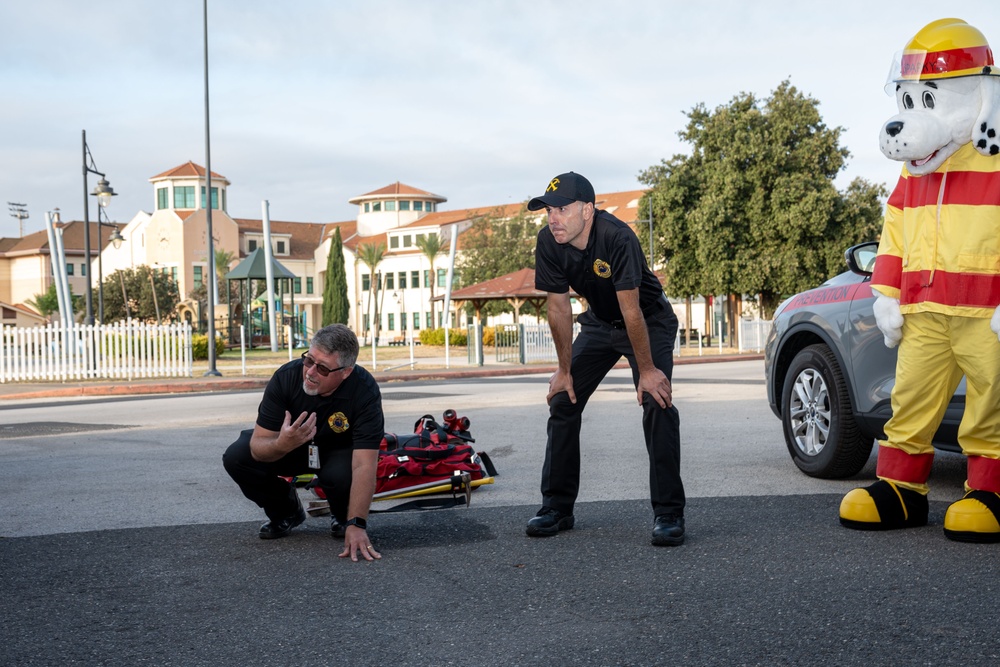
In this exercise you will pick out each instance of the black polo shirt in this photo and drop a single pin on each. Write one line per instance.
(349, 418)
(612, 261)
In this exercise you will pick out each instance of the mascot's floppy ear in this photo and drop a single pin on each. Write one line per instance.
(986, 132)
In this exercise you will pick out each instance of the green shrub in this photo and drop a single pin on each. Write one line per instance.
(199, 346)
(436, 337)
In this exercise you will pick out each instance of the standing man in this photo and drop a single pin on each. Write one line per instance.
(600, 258)
(320, 414)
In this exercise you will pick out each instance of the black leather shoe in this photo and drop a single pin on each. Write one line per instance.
(548, 522)
(275, 529)
(337, 529)
(668, 530)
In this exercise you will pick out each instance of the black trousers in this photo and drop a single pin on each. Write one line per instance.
(596, 350)
(261, 481)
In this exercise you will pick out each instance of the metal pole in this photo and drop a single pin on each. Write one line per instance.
(100, 266)
(650, 232)
(89, 318)
(212, 293)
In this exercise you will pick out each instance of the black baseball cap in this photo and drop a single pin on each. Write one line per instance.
(562, 190)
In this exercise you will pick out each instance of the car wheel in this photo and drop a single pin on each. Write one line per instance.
(820, 430)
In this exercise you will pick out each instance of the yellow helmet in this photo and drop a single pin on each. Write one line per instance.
(944, 49)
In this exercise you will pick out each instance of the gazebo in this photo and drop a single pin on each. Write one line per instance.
(517, 289)
(254, 268)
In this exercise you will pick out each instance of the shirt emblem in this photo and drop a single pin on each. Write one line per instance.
(602, 268)
(338, 422)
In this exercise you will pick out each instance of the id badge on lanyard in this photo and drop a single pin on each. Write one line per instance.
(314, 456)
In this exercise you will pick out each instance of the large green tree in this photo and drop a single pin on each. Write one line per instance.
(336, 305)
(753, 209)
(496, 245)
(137, 288)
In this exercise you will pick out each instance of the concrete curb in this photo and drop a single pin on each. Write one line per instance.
(11, 392)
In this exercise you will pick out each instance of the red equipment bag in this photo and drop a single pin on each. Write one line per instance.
(434, 453)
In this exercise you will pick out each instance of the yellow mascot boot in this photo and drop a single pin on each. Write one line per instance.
(974, 518)
(883, 506)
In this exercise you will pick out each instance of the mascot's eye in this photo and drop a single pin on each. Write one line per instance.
(928, 100)
(907, 101)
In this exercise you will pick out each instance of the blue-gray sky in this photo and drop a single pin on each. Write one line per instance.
(316, 101)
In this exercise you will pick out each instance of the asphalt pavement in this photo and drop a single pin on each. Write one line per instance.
(761, 580)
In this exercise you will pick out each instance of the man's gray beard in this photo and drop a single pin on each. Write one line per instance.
(308, 390)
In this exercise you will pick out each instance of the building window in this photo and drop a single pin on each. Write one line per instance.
(281, 248)
(442, 278)
(429, 320)
(418, 206)
(393, 241)
(199, 278)
(83, 270)
(407, 241)
(368, 207)
(184, 196)
(390, 206)
(162, 198)
(402, 321)
(430, 207)
(309, 285)
(404, 205)
(416, 321)
(427, 278)
(251, 245)
(376, 206)
(298, 285)
(69, 269)
(402, 280)
(390, 281)
(392, 321)
(366, 282)
(215, 197)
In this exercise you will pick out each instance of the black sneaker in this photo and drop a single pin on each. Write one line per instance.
(337, 529)
(548, 522)
(275, 529)
(668, 530)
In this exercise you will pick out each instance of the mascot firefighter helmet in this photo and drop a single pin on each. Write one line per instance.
(943, 49)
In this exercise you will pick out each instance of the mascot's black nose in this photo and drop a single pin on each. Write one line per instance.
(894, 128)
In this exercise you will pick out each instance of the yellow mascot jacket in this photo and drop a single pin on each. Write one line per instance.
(940, 246)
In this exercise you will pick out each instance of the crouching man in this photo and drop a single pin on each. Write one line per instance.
(320, 414)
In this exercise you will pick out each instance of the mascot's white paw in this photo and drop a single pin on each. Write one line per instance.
(890, 320)
(995, 322)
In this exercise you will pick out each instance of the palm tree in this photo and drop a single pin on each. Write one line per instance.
(371, 254)
(430, 245)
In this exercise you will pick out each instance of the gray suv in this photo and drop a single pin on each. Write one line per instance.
(829, 374)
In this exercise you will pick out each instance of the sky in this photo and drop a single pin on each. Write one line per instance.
(313, 102)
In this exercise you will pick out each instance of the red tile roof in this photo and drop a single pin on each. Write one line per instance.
(190, 170)
(397, 188)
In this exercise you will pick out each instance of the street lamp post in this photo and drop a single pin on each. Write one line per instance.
(116, 240)
(104, 193)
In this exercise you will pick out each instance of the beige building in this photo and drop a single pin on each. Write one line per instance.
(174, 239)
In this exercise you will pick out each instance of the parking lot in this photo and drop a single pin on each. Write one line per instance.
(123, 542)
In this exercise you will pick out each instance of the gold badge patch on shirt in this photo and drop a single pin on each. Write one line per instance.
(338, 422)
(602, 268)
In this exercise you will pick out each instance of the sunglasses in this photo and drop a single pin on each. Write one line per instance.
(309, 362)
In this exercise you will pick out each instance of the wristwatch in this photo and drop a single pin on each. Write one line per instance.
(357, 521)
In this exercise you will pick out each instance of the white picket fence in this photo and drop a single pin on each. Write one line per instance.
(125, 350)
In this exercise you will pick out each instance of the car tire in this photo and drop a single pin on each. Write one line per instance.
(820, 430)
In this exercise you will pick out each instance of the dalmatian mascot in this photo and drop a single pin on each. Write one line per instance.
(937, 282)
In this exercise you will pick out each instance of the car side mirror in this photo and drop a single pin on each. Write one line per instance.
(861, 258)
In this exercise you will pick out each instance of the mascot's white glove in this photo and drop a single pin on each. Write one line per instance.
(890, 320)
(995, 322)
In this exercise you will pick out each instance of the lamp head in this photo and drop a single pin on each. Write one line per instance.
(104, 192)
